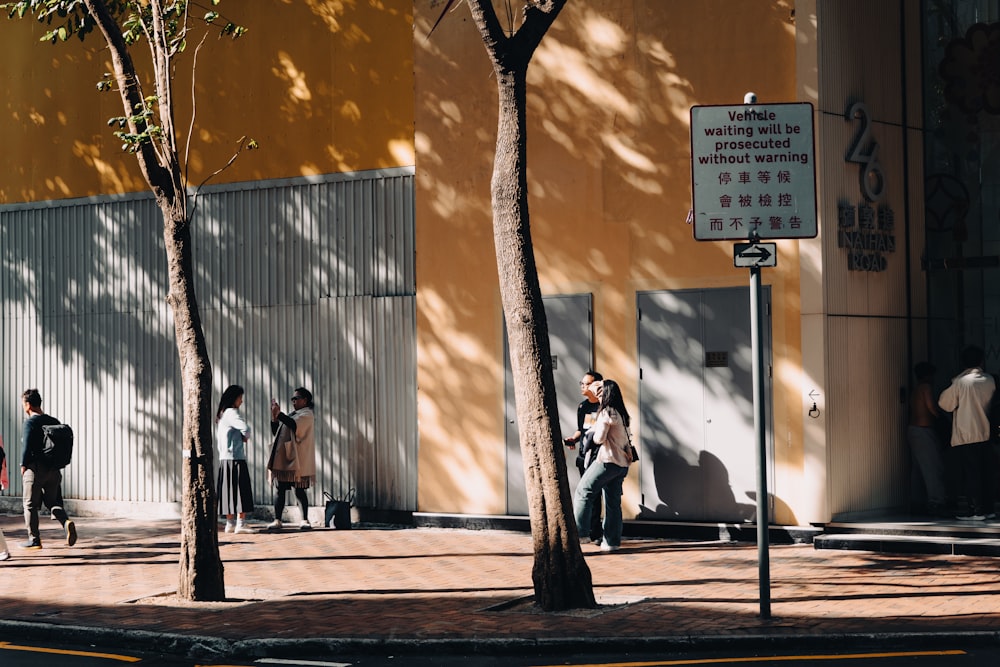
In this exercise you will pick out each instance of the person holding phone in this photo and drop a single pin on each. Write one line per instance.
(292, 462)
(586, 415)
(610, 468)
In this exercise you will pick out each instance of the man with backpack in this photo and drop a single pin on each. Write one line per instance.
(42, 479)
(4, 554)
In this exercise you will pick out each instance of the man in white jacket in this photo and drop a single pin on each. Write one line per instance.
(968, 399)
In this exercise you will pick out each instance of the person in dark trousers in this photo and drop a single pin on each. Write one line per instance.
(42, 483)
(4, 553)
(586, 415)
(968, 399)
(925, 446)
(606, 474)
(292, 463)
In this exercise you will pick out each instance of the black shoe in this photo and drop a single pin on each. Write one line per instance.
(70, 533)
(32, 543)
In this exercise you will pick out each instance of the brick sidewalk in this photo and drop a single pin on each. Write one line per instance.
(427, 583)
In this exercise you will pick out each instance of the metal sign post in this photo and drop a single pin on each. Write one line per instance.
(753, 177)
(759, 424)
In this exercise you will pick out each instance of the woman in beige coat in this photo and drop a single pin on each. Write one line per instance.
(292, 463)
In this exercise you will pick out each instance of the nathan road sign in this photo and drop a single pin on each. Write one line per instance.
(750, 255)
(753, 170)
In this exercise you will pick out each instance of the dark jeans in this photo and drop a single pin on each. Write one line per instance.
(606, 477)
(42, 486)
(279, 500)
(975, 459)
(596, 524)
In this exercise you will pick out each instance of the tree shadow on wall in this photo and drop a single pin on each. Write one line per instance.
(85, 312)
(685, 491)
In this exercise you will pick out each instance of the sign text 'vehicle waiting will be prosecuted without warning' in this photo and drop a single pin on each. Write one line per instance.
(753, 170)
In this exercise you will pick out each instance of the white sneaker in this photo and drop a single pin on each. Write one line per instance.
(274, 525)
(607, 547)
(4, 555)
(230, 527)
(305, 525)
(244, 529)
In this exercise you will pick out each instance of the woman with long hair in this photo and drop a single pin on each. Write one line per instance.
(231, 435)
(607, 473)
(292, 463)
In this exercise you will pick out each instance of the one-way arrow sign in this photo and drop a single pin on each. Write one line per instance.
(749, 255)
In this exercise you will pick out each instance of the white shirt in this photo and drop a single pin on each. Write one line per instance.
(968, 398)
(229, 433)
(610, 434)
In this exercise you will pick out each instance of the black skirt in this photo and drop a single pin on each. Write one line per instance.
(234, 489)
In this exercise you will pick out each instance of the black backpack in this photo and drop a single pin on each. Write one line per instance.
(57, 445)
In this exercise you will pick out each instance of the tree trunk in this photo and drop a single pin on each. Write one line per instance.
(560, 574)
(201, 570)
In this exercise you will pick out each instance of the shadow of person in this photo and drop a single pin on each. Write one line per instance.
(688, 492)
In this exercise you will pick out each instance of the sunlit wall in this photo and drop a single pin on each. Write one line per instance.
(610, 91)
(322, 86)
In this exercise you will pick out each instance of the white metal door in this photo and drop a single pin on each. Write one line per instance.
(696, 404)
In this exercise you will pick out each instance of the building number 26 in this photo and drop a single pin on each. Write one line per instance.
(864, 151)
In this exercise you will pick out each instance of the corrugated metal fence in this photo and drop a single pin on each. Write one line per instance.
(305, 282)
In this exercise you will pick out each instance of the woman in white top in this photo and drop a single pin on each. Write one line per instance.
(609, 470)
(231, 435)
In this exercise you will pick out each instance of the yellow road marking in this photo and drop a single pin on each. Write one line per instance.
(38, 649)
(773, 658)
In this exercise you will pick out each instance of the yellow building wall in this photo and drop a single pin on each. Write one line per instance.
(610, 92)
(337, 86)
(322, 85)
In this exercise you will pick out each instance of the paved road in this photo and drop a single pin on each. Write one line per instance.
(12, 655)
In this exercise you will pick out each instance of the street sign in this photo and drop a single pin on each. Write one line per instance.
(750, 255)
(753, 170)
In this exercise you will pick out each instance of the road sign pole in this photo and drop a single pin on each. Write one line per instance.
(759, 422)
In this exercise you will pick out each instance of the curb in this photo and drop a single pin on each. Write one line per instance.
(201, 647)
